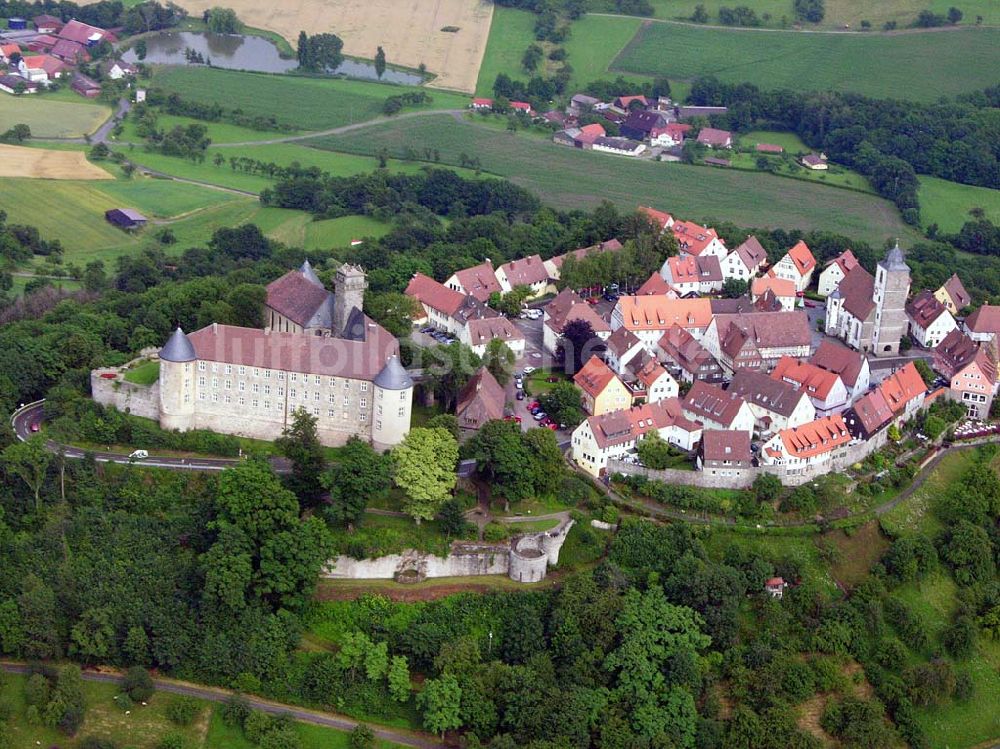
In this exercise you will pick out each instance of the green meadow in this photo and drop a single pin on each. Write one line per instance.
(52, 118)
(918, 66)
(947, 204)
(568, 178)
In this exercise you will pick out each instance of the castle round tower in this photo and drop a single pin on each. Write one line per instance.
(393, 405)
(177, 365)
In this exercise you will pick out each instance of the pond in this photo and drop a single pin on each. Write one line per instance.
(253, 53)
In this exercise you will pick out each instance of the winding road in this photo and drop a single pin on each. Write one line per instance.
(315, 717)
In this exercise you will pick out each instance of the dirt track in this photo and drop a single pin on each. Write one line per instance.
(40, 163)
(408, 30)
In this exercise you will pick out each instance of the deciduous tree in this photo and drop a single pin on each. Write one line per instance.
(359, 476)
(424, 468)
(299, 443)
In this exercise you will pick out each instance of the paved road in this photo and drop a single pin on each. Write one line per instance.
(406, 738)
(25, 418)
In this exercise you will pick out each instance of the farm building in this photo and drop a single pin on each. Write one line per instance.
(125, 218)
(6, 50)
(86, 87)
(620, 146)
(814, 161)
(713, 138)
(769, 148)
(46, 24)
(13, 84)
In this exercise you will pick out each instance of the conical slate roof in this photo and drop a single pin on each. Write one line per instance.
(310, 275)
(393, 376)
(178, 348)
(895, 260)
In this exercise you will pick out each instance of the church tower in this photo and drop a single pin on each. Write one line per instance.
(892, 287)
(348, 293)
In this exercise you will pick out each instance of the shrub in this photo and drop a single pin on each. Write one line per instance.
(494, 532)
(236, 711)
(256, 725)
(36, 691)
(172, 740)
(964, 687)
(183, 710)
(97, 742)
(362, 737)
(138, 684)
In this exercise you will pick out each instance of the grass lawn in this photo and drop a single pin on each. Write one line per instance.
(568, 178)
(774, 547)
(921, 67)
(947, 203)
(532, 526)
(219, 132)
(914, 515)
(52, 118)
(308, 103)
(222, 736)
(857, 552)
(537, 383)
(60, 283)
(510, 34)
(379, 535)
(836, 176)
(144, 374)
(791, 142)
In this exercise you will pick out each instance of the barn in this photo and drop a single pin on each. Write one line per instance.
(125, 218)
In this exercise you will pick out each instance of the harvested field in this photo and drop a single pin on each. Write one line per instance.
(39, 163)
(408, 30)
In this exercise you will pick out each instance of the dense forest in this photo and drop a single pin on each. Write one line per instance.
(890, 142)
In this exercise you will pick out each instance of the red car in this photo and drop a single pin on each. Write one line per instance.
(552, 425)
(593, 300)
(533, 405)
(512, 418)
(35, 427)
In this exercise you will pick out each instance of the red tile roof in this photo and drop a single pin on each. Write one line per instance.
(484, 329)
(691, 269)
(780, 287)
(82, 33)
(902, 386)
(621, 342)
(479, 281)
(481, 400)
(680, 346)
(871, 410)
(435, 295)
(769, 148)
(655, 284)
(711, 136)
(611, 245)
(659, 218)
(482, 102)
(590, 133)
(751, 252)
(802, 258)
(711, 403)
(9, 49)
(594, 376)
(296, 298)
(816, 382)
(857, 289)
(726, 444)
(49, 64)
(767, 329)
(846, 260)
(297, 352)
(959, 296)
(760, 390)
(986, 319)
(659, 313)
(840, 360)
(816, 437)
(618, 427)
(70, 51)
(624, 101)
(924, 309)
(568, 306)
(957, 351)
(525, 271)
(692, 238)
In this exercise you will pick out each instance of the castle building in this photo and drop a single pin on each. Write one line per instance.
(319, 352)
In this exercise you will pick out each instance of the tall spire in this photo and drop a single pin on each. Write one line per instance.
(310, 275)
(895, 260)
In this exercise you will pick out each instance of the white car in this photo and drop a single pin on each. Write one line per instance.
(138, 455)
(528, 370)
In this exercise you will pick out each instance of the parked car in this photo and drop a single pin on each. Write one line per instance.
(138, 455)
(552, 425)
(593, 299)
(611, 296)
(528, 370)
(539, 416)
(512, 418)
(519, 395)
(35, 427)
(534, 405)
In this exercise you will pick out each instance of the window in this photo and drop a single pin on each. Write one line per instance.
(281, 391)
(267, 390)
(402, 412)
(363, 403)
(317, 379)
(402, 395)
(331, 398)
(201, 396)
(267, 374)
(242, 386)
(255, 403)
(364, 387)
(256, 372)
(305, 395)
(329, 413)
(227, 398)
(291, 392)
(201, 366)
(255, 387)
(347, 400)
(215, 367)
(242, 370)
(378, 424)
(362, 417)
(241, 401)
(267, 405)
(347, 384)
(215, 397)
(229, 369)
(281, 375)
(215, 382)
(380, 410)
(316, 396)
(315, 410)
(201, 382)
(332, 381)
(293, 376)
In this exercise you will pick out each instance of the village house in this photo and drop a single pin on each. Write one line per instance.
(745, 261)
(851, 366)
(713, 138)
(479, 331)
(580, 137)
(662, 219)
(685, 358)
(649, 317)
(46, 24)
(128, 219)
(930, 320)
(724, 452)
(618, 146)
(715, 408)
(615, 435)
(52, 68)
(447, 309)
(648, 380)
(769, 148)
(622, 347)
(42, 43)
(7, 51)
(482, 104)
(13, 84)
(797, 265)
(825, 389)
(478, 281)
(814, 161)
(481, 400)
(781, 288)
(775, 404)
(869, 314)
(582, 104)
(693, 275)
(528, 272)
(904, 391)
(655, 285)
(756, 340)
(522, 107)
(696, 240)
(775, 587)
(971, 370)
(564, 309)
(70, 52)
(868, 416)
(641, 122)
(624, 103)
(983, 324)
(952, 294)
(602, 390)
(553, 266)
(670, 135)
(116, 70)
(807, 445)
(834, 272)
